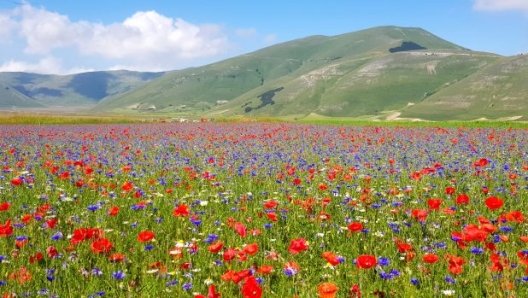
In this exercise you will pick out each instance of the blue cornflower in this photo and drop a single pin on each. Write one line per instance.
(119, 275)
(21, 238)
(211, 238)
(385, 275)
(496, 238)
(97, 272)
(171, 283)
(440, 245)
(93, 208)
(187, 286)
(477, 250)
(415, 281)
(506, 229)
(57, 236)
(149, 247)
(382, 261)
(395, 273)
(196, 222)
(290, 271)
(449, 279)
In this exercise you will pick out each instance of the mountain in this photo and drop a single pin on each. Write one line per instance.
(29, 90)
(496, 91)
(313, 73)
(380, 73)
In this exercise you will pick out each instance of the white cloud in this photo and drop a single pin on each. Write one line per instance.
(149, 36)
(145, 38)
(46, 65)
(246, 32)
(500, 5)
(7, 26)
(270, 39)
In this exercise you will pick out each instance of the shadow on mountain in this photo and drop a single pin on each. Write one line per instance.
(92, 84)
(407, 46)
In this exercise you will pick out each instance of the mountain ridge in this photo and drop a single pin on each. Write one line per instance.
(370, 74)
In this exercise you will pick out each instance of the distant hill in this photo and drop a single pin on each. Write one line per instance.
(379, 73)
(82, 89)
(499, 90)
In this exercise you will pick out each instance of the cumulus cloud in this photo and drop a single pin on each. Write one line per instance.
(7, 26)
(270, 39)
(145, 38)
(500, 5)
(49, 65)
(246, 32)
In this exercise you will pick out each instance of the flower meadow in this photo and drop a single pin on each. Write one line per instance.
(262, 210)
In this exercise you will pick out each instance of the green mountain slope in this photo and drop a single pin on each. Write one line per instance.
(497, 91)
(10, 98)
(379, 73)
(202, 89)
(73, 90)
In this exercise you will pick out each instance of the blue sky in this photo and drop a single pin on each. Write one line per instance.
(60, 37)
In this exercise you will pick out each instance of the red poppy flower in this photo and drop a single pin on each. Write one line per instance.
(265, 269)
(6, 229)
(271, 216)
(238, 276)
(181, 210)
(494, 203)
(430, 258)
(116, 257)
(455, 264)
(101, 245)
(298, 245)
(21, 276)
(127, 186)
(51, 223)
(366, 261)
(449, 190)
(462, 199)
(355, 227)
(270, 204)
(17, 181)
(211, 293)
(216, 246)
(229, 254)
(113, 211)
(419, 214)
(251, 249)
(434, 204)
(240, 228)
(515, 216)
(404, 247)
(52, 252)
(251, 288)
(332, 258)
(327, 290)
(146, 236)
(482, 162)
(4, 206)
(37, 257)
(64, 175)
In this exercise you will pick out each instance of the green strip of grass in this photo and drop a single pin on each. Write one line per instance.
(13, 119)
